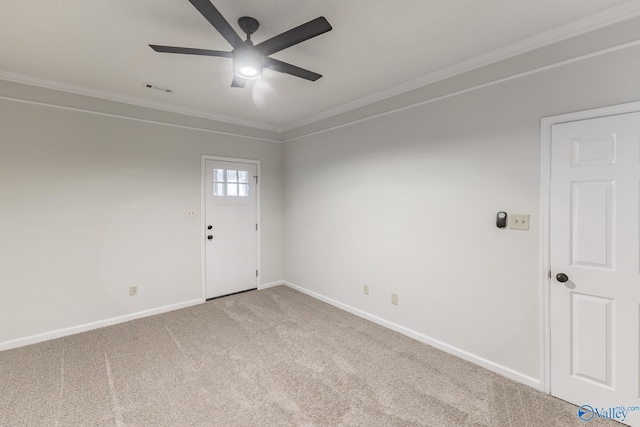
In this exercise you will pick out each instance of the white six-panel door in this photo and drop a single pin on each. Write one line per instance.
(230, 227)
(594, 241)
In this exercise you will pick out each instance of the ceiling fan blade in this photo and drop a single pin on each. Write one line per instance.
(294, 36)
(284, 67)
(238, 81)
(190, 51)
(216, 19)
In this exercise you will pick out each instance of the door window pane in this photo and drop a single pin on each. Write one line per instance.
(231, 183)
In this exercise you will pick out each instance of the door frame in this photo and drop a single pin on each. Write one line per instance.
(545, 217)
(203, 219)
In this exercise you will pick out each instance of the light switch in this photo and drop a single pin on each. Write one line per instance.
(519, 221)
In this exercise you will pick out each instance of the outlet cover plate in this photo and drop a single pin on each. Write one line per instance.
(519, 221)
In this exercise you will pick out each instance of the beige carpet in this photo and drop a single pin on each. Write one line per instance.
(263, 358)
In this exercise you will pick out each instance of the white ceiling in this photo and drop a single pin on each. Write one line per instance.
(100, 48)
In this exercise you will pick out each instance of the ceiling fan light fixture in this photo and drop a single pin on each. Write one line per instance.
(247, 64)
(248, 72)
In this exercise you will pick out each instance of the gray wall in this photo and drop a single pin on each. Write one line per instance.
(91, 204)
(406, 203)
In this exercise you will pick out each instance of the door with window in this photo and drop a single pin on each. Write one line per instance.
(230, 227)
(595, 262)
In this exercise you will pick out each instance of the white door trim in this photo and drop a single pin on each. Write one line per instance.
(203, 160)
(545, 192)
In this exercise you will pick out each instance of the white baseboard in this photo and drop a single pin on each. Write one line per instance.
(270, 285)
(487, 364)
(33, 339)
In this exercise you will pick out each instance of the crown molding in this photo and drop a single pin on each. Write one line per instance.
(468, 89)
(109, 96)
(580, 26)
(135, 119)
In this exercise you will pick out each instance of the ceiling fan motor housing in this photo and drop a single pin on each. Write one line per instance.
(247, 62)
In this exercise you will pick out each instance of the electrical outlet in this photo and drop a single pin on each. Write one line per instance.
(519, 221)
(191, 213)
(133, 290)
(366, 289)
(394, 299)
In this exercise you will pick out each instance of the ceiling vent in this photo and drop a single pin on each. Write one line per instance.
(161, 89)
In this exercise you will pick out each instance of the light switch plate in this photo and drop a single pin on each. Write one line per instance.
(519, 221)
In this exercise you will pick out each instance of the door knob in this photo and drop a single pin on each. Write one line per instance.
(209, 227)
(561, 277)
(209, 237)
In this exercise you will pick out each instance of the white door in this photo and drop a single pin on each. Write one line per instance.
(595, 196)
(230, 227)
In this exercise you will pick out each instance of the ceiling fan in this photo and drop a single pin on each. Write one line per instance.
(249, 60)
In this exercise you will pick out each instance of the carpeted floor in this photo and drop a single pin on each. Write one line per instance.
(264, 358)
